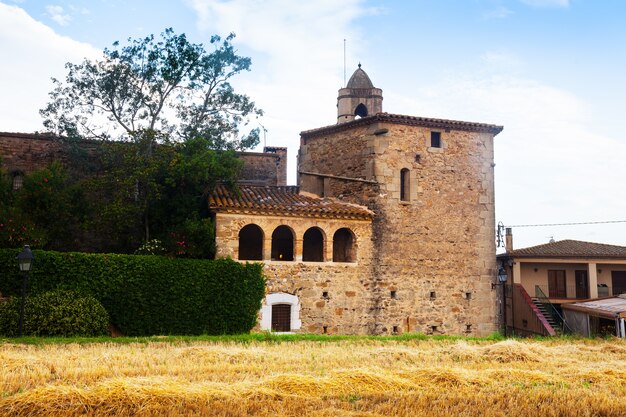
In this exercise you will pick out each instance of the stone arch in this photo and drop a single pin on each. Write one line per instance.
(313, 245)
(344, 245)
(271, 305)
(251, 243)
(282, 244)
(360, 110)
(405, 184)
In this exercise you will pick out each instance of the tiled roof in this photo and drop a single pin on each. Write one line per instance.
(284, 201)
(406, 120)
(570, 249)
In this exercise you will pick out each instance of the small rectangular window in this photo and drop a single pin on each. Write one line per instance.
(404, 184)
(435, 139)
(18, 182)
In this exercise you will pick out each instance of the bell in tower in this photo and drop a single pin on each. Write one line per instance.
(359, 98)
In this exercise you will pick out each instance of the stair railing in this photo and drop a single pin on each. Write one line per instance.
(551, 309)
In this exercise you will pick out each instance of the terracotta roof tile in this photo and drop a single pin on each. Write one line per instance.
(406, 120)
(570, 249)
(284, 201)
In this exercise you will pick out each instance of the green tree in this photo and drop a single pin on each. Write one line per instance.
(155, 89)
(172, 104)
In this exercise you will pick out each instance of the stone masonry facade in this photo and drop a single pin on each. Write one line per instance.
(433, 261)
(334, 296)
(425, 258)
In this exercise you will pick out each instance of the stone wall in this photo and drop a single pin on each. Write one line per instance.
(25, 152)
(334, 297)
(434, 255)
(265, 168)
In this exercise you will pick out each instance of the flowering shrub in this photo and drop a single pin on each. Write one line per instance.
(151, 247)
(16, 232)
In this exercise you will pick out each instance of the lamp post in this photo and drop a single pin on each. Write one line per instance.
(25, 260)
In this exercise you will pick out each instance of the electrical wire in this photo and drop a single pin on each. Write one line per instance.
(567, 224)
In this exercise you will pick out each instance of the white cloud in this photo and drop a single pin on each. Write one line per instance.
(298, 51)
(546, 3)
(57, 14)
(552, 165)
(36, 54)
(500, 12)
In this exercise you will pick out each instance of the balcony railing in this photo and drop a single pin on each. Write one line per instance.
(570, 291)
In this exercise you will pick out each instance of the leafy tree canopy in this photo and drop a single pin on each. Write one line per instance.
(167, 85)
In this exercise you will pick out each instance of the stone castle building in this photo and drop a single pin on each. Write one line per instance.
(389, 230)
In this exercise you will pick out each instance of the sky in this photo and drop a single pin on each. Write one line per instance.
(552, 72)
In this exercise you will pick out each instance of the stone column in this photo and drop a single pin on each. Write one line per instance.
(593, 280)
(297, 250)
(517, 272)
(267, 249)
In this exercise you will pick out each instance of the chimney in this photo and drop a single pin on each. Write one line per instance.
(508, 243)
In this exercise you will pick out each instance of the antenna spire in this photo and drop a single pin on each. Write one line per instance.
(344, 62)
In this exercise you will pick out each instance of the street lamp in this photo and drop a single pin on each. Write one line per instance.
(25, 260)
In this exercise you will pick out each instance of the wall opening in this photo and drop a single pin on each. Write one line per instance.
(405, 184)
(282, 244)
(280, 312)
(281, 318)
(18, 180)
(360, 110)
(251, 243)
(344, 249)
(435, 139)
(313, 245)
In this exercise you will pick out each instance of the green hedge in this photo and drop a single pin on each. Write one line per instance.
(149, 295)
(55, 313)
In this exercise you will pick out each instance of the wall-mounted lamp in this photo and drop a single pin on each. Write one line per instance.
(502, 277)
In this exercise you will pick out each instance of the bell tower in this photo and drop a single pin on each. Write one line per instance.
(359, 98)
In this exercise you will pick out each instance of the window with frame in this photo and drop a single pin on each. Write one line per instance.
(435, 139)
(18, 181)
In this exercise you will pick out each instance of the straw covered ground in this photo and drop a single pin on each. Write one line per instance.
(359, 377)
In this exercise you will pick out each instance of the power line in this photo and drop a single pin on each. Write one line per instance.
(567, 224)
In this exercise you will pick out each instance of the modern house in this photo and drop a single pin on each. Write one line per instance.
(544, 277)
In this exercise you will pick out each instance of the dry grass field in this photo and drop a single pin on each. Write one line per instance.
(355, 377)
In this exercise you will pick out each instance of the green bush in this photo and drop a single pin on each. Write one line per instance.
(149, 295)
(55, 313)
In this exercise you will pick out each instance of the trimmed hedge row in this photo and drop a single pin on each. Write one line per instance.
(55, 313)
(150, 295)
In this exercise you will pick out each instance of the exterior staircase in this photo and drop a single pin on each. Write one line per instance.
(545, 310)
(550, 312)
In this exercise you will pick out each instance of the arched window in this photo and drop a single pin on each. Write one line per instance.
(251, 243)
(282, 244)
(344, 249)
(405, 185)
(313, 245)
(360, 110)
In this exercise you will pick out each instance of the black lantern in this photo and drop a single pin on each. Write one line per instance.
(502, 276)
(25, 260)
